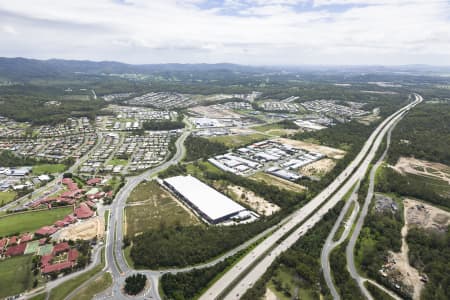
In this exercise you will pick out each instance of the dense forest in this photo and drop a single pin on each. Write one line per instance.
(184, 246)
(424, 133)
(33, 109)
(9, 159)
(197, 147)
(429, 252)
(379, 235)
(163, 125)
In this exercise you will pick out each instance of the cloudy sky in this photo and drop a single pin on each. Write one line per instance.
(257, 32)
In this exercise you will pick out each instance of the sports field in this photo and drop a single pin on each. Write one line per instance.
(15, 275)
(31, 221)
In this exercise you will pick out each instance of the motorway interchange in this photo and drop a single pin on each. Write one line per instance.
(236, 281)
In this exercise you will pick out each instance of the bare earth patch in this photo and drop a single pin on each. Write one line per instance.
(424, 168)
(318, 168)
(269, 295)
(277, 181)
(260, 205)
(425, 216)
(328, 151)
(86, 230)
(211, 112)
(416, 213)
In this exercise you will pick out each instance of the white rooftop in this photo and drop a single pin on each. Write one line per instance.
(212, 203)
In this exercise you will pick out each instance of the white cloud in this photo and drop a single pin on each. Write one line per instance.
(266, 32)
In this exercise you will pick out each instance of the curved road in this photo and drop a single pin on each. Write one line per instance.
(355, 234)
(330, 244)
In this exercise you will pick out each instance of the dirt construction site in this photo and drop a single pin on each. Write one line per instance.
(328, 151)
(86, 230)
(423, 168)
(398, 268)
(260, 205)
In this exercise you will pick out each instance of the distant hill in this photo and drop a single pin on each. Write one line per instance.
(22, 69)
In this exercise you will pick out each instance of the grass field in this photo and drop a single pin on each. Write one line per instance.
(6, 197)
(63, 290)
(94, 287)
(285, 184)
(48, 169)
(158, 209)
(15, 275)
(31, 221)
(238, 140)
(117, 162)
(275, 129)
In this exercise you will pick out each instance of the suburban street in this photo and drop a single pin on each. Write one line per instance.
(264, 251)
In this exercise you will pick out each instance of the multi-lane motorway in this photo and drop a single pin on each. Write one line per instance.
(251, 267)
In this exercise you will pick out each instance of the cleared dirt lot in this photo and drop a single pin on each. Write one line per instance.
(318, 168)
(424, 168)
(211, 112)
(419, 214)
(281, 183)
(328, 151)
(426, 216)
(260, 205)
(86, 230)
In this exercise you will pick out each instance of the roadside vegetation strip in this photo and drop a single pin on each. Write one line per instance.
(63, 290)
(31, 220)
(193, 283)
(341, 228)
(95, 286)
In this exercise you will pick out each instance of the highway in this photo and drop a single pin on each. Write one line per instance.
(269, 249)
(360, 222)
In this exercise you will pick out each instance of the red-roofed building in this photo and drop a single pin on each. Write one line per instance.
(46, 259)
(90, 204)
(72, 255)
(12, 240)
(3, 243)
(60, 223)
(109, 194)
(26, 237)
(94, 181)
(72, 193)
(42, 241)
(16, 250)
(69, 219)
(46, 230)
(70, 184)
(57, 267)
(83, 212)
(61, 247)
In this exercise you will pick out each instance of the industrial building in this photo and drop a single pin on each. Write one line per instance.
(211, 205)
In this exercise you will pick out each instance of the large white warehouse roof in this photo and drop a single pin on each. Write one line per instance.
(210, 202)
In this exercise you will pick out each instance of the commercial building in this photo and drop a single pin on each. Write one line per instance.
(211, 205)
